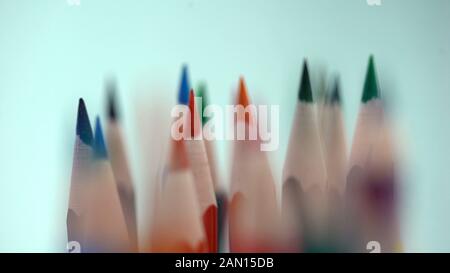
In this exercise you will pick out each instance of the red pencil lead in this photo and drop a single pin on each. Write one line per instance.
(194, 118)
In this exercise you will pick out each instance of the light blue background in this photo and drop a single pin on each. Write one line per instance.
(52, 53)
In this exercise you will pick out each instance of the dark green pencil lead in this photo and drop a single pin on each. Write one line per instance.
(201, 92)
(335, 94)
(305, 92)
(371, 90)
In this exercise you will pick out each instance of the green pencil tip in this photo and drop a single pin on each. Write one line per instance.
(201, 92)
(305, 93)
(371, 90)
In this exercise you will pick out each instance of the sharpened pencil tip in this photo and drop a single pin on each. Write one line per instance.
(244, 100)
(305, 92)
(202, 93)
(112, 103)
(193, 110)
(192, 101)
(371, 89)
(183, 94)
(242, 93)
(335, 95)
(99, 141)
(84, 129)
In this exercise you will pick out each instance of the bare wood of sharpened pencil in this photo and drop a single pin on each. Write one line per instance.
(123, 180)
(106, 226)
(382, 222)
(209, 144)
(335, 154)
(178, 224)
(334, 141)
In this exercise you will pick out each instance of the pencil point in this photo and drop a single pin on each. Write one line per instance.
(191, 100)
(183, 95)
(305, 93)
(243, 100)
(242, 93)
(84, 130)
(195, 121)
(112, 104)
(99, 141)
(192, 110)
(335, 95)
(371, 84)
(201, 92)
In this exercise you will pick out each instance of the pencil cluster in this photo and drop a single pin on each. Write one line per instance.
(331, 202)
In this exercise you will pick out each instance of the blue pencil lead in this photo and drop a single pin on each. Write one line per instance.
(185, 87)
(99, 142)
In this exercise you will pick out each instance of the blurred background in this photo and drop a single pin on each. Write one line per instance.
(53, 52)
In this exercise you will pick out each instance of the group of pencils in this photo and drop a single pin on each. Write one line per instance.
(330, 202)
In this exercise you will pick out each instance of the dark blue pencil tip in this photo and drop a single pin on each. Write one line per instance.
(99, 142)
(84, 130)
(185, 86)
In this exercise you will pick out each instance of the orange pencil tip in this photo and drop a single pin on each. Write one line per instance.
(243, 99)
(242, 93)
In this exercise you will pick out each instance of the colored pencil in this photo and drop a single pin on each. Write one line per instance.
(371, 190)
(304, 176)
(335, 151)
(80, 177)
(119, 164)
(198, 160)
(209, 145)
(367, 126)
(179, 223)
(253, 211)
(221, 197)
